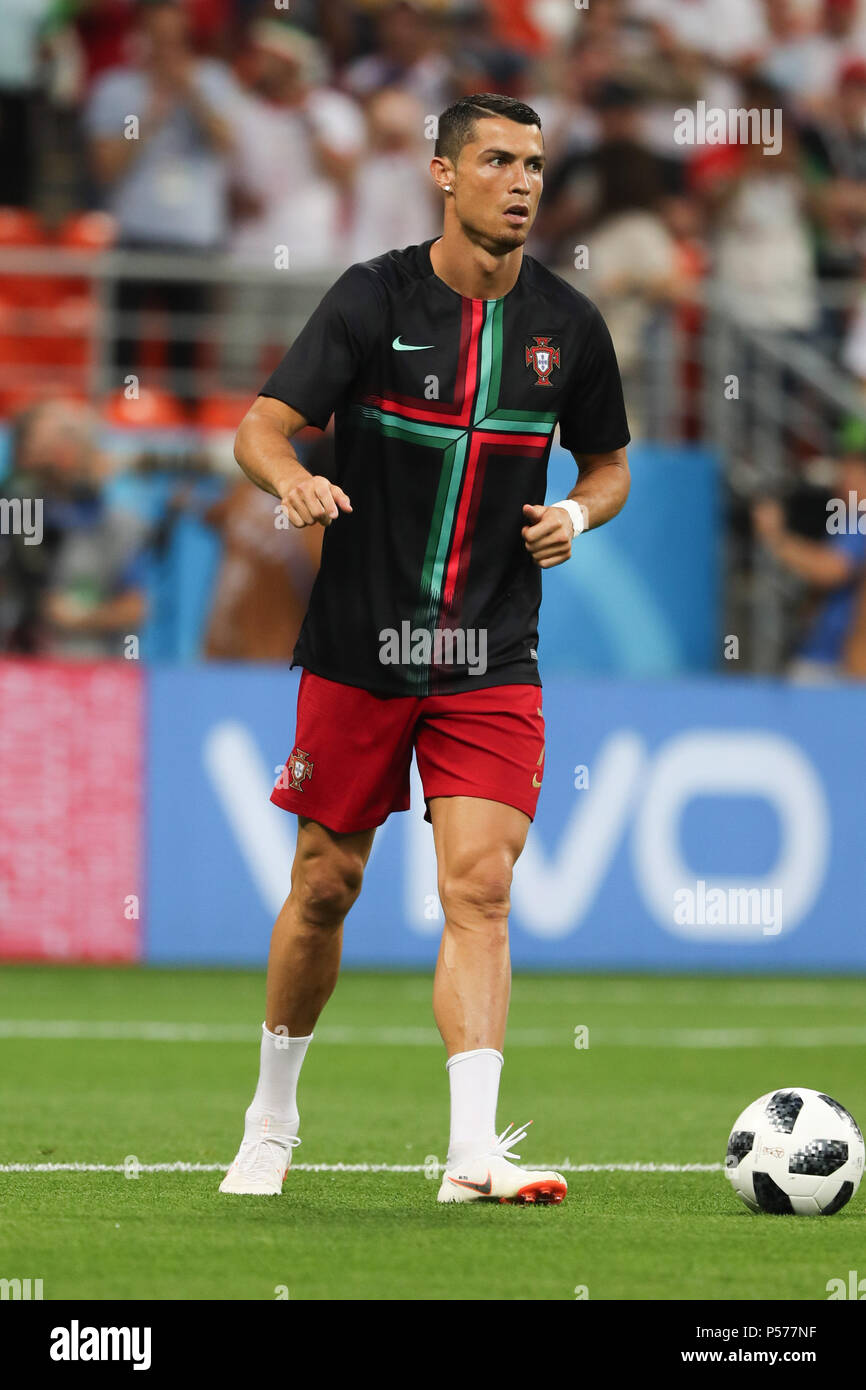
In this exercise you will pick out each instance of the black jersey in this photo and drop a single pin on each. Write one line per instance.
(445, 409)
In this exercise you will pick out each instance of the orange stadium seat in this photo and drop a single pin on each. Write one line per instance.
(88, 231)
(46, 321)
(72, 317)
(23, 397)
(152, 409)
(19, 227)
(20, 352)
(222, 412)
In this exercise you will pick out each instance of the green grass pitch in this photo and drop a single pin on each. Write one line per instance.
(98, 1065)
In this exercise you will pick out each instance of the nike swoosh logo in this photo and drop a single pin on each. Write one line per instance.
(535, 781)
(410, 347)
(485, 1188)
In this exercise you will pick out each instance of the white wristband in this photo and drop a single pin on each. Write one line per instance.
(576, 512)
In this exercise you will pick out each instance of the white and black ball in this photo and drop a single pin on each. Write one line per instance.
(795, 1152)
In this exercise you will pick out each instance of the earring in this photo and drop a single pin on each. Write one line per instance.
(447, 187)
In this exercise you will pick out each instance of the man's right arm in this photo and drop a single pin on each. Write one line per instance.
(264, 450)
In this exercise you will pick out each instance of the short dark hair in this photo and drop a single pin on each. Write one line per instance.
(457, 123)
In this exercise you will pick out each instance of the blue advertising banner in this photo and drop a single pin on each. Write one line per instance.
(639, 597)
(714, 824)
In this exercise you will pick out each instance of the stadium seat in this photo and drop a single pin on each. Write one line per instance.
(88, 231)
(19, 227)
(222, 412)
(22, 397)
(19, 348)
(72, 319)
(152, 409)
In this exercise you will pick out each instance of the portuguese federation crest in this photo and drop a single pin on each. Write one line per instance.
(300, 767)
(542, 358)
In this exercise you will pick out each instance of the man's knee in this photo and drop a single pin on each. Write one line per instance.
(477, 889)
(326, 887)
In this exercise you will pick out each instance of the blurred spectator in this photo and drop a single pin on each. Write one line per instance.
(834, 161)
(607, 199)
(527, 26)
(265, 579)
(81, 590)
(407, 54)
(481, 57)
(799, 59)
(563, 101)
(729, 33)
(338, 24)
(853, 354)
(833, 569)
(763, 249)
(619, 175)
(297, 143)
(166, 181)
(103, 29)
(670, 78)
(394, 204)
(604, 20)
(19, 96)
(683, 217)
(842, 25)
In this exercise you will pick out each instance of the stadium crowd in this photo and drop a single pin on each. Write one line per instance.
(247, 128)
(237, 126)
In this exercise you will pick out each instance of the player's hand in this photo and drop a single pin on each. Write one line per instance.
(314, 502)
(547, 535)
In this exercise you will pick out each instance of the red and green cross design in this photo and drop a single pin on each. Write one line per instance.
(465, 431)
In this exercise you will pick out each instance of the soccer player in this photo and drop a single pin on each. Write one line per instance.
(448, 367)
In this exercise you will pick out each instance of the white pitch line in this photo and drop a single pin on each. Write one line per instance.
(181, 1167)
(88, 1030)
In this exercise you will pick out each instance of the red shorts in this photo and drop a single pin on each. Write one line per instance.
(349, 768)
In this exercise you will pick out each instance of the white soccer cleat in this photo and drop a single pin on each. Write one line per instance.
(262, 1162)
(491, 1177)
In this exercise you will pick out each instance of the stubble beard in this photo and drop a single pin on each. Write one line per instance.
(497, 244)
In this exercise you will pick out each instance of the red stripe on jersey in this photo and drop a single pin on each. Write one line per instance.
(459, 411)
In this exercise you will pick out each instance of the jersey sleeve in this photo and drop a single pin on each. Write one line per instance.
(324, 359)
(593, 419)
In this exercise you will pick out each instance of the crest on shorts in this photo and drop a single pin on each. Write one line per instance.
(300, 767)
(542, 358)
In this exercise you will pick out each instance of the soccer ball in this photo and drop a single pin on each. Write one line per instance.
(795, 1152)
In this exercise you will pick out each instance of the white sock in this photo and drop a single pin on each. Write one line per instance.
(276, 1095)
(474, 1079)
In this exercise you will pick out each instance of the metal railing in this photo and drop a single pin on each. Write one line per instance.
(792, 401)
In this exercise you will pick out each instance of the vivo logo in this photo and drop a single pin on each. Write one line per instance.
(635, 797)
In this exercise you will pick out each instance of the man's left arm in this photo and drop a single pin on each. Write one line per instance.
(214, 125)
(600, 493)
(209, 95)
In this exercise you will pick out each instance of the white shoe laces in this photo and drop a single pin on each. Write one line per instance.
(259, 1161)
(505, 1142)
